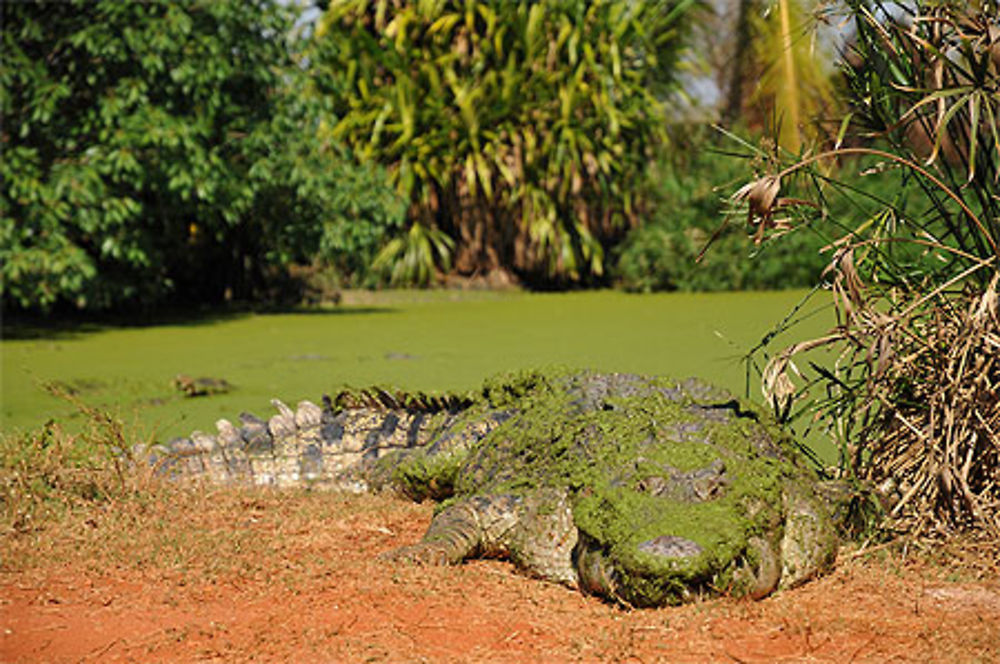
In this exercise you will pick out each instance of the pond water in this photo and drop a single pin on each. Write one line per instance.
(423, 340)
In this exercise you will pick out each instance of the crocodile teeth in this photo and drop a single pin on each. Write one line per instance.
(282, 424)
(308, 415)
(228, 434)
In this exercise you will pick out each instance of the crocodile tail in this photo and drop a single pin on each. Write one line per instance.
(310, 446)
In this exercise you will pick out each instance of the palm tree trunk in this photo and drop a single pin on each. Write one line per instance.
(790, 125)
(741, 57)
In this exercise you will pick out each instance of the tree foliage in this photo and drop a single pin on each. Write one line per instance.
(163, 150)
(688, 243)
(518, 132)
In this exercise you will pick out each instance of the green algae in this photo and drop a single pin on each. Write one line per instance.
(424, 340)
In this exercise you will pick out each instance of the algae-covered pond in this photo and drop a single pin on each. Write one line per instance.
(432, 340)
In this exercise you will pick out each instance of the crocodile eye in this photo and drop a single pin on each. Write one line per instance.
(671, 546)
(655, 485)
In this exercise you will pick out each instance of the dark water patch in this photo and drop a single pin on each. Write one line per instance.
(79, 386)
(72, 325)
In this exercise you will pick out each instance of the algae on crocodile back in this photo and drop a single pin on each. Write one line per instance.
(646, 466)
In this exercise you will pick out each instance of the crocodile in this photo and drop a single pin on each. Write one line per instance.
(642, 490)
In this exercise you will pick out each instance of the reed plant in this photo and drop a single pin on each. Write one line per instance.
(912, 394)
(48, 472)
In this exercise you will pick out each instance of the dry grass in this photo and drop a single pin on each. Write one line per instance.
(48, 473)
(192, 533)
(919, 391)
(71, 498)
(935, 447)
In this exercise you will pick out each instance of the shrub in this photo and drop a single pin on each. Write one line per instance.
(691, 212)
(517, 132)
(913, 394)
(47, 471)
(161, 150)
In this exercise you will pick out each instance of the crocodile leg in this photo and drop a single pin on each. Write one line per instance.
(809, 545)
(476, 527)
(761, 571)
(545, 536)
(536, 532)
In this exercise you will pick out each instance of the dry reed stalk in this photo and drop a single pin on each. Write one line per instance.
(938, 434)
(928, 428)
(913, 396)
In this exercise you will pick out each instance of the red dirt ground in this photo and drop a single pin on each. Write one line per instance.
(294, 586)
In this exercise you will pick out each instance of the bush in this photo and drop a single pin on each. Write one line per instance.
(45, 472)
(690, 210)
(912, 396)
(163, 151)
(517, 132)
